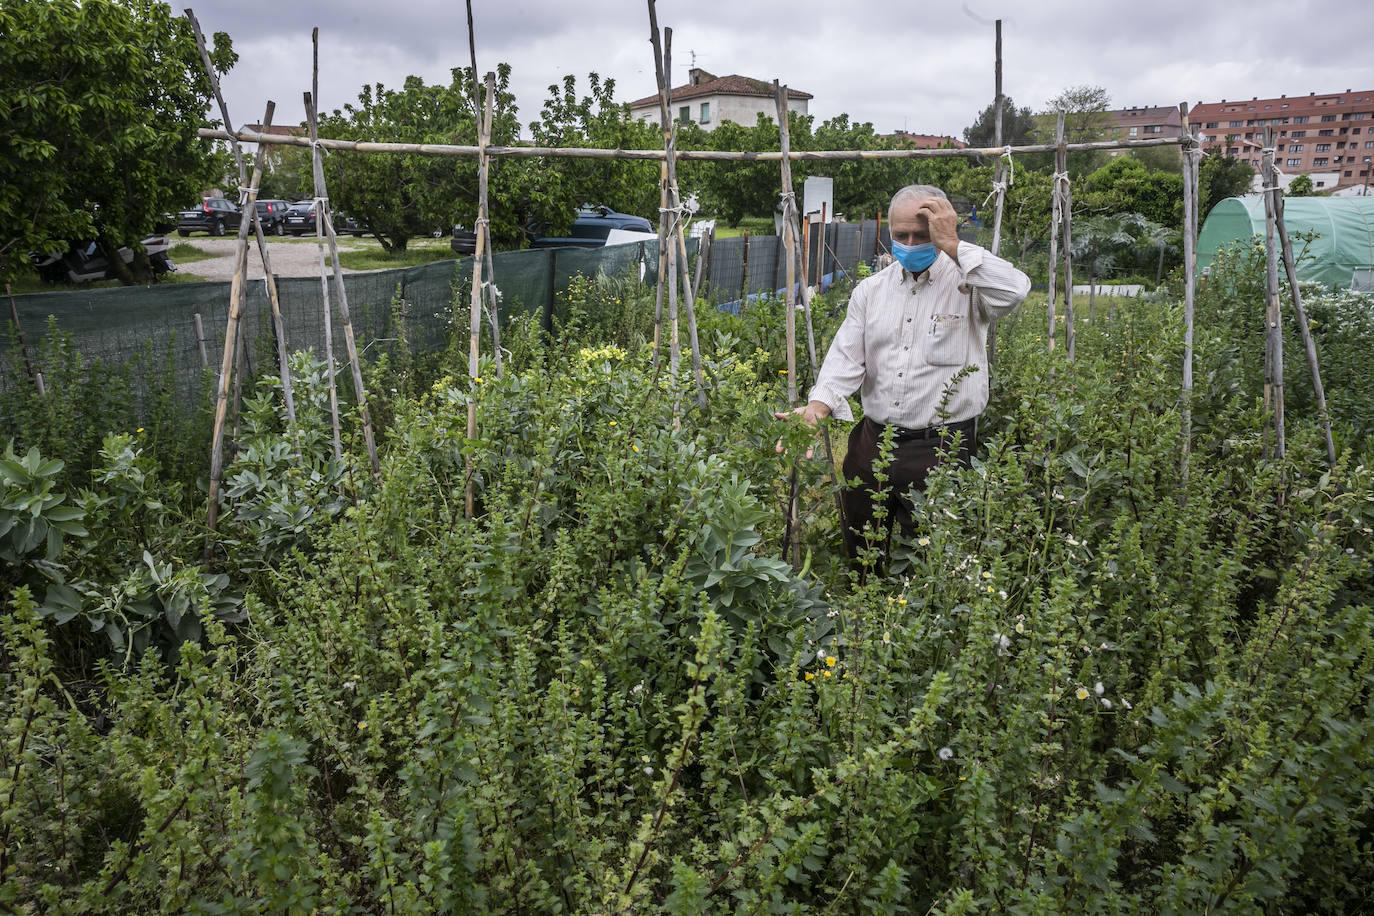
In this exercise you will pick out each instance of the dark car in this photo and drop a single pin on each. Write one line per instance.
(214, 215)
(591, 227)
(272, 216)
(300, 218)
(464, 241)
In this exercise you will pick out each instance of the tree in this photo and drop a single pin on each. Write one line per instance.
(1086, 116)
(1018, 125)
(1300, 186)
(1125, 185)
(594, 121)
(100, 101)
(1220, 177)
(400, 196)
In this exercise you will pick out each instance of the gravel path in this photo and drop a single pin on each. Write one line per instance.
(289, 258)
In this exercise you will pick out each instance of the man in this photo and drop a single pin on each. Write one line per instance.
(914, 336)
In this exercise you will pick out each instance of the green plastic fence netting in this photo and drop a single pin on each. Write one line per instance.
(1344, 225)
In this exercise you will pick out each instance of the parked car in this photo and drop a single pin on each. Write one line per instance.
(300, 220)
(464, 241)
(214, 215)
(83, 262)
(591, 227)
(272, 215)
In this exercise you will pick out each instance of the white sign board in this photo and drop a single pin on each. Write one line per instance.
(818, 191)
(625, 236)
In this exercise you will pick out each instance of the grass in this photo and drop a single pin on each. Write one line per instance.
(373, 258)
(754, 225)
(186, 253)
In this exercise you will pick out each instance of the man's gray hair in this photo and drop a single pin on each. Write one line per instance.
(915, 192)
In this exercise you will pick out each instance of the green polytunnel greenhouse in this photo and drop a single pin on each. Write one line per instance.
(1342, 255)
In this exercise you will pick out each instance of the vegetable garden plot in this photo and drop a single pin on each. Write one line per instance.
(607, 690)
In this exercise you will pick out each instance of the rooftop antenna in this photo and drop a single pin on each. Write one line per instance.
(694, 57)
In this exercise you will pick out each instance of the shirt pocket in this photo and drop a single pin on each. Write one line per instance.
(947, 339)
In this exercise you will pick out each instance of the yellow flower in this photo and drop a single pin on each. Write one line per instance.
(362, 726)
(139, 430)
(810, 675)
(613, 423)
(1082, 693)
(902, 600)
(826, 672)
(477, 379)
(830, 661)
(635, 447)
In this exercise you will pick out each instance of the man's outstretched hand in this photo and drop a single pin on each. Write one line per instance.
(811, 415)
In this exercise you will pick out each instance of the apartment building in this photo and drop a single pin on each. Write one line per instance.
(1329, 137)
(1145, 123)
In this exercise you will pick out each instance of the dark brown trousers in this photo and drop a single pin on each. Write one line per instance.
(915, 454)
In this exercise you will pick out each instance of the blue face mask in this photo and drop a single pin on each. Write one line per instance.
(914, 258)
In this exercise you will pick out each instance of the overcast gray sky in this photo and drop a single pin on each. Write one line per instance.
(924, 67)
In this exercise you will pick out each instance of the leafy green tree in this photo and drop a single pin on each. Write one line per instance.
(1018, 125)
(594, 121)
(100, 101)
(400, 196)
(1085, 110)
(735, 190)
(1220, 177)
(1125, 185)
(1301, 186)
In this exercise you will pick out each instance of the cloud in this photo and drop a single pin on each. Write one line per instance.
(928, 70)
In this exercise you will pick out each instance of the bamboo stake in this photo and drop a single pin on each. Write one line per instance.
(231, 349)
(475, 321)
(214, 85)
(999, 188)
(37, 376)
(1273, 325)
(330, 380)
(744, 272)
(483, 118)
(696, 155)
(662, 265)
(1056, 215)
(200, 339)
(789, 240)
(704, 243)
(1189, 291)
(1310, 346)
(323, 215)
(1068, 262)
(663, 49)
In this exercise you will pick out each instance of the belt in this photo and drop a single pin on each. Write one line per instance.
(905, 434)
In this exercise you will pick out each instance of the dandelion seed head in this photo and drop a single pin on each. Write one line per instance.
(945, 753)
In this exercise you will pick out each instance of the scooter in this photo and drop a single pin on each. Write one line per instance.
(83, 261)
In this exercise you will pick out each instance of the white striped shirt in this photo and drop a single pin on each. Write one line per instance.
(905, 337)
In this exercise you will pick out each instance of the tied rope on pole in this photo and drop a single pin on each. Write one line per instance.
(1000, 186)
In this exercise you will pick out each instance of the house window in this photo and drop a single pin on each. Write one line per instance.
(705, 112)
(1321, 184)
(1369, 144)
(1132, 132)
(1154, 129)
(1211, 125)
(1299, 119)
(684, 113)
(1299, 133)
(1348, 173)
(1294, 163)
(1357, 116)
(1323, 147)
(1320, 160)
(1295, 148)
(1237, 124)
(1329, 117)
(1326, 133)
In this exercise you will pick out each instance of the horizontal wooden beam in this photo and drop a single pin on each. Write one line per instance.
(706, 155)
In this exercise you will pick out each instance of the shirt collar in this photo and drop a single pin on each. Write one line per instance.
(926, 275)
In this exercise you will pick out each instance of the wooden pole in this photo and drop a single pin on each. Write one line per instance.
(1068, 261)
(704, 244)
(482, 117)
(744, 272)
(318, 171)
(475, 300)
(695, 155)
(200, 339)
(1000, 175)
(37, 376)
(231, 349)
(278, 327)
(1273, 314)
(323, 215)
(789, 209)
(1189, 289)
(662, 265)
(1056, 216)
(677, 245)
(1309, 346)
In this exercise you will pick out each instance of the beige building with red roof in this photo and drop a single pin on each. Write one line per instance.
(707, 99)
